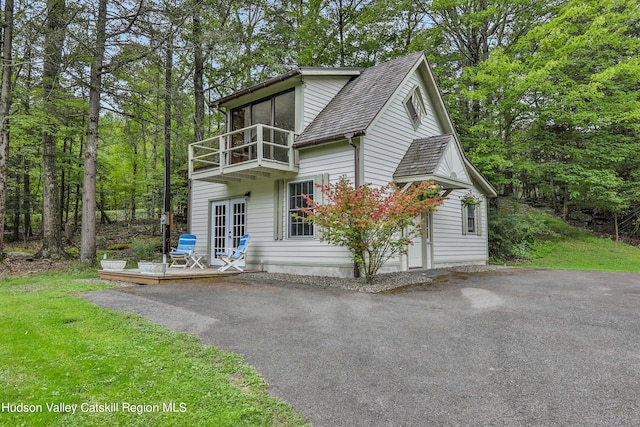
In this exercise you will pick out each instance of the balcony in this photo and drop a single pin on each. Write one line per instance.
(258, 151)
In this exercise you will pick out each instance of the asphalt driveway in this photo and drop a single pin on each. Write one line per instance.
(504, 348)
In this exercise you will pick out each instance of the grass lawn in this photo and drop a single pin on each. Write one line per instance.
(586, 254)
(571, 248)
(119, 369)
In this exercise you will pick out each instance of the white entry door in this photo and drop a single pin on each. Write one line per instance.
(419, 253)
(228, 225)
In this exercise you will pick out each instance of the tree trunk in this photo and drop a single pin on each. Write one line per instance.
(104, 218)
(134, 173)
(17, 211)
(198, 85)
(88, 238)
(63, 181)
(78, 190)
(166, 231)
(341, 32)
(565, 203)
(52, 245)
(16, 221)
(5, 105)
(27, 163)
(198, 73)
(26, 200)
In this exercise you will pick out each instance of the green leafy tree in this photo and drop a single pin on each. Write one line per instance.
(462, 35)
(560, 109)
(375, 224)
(583, 70)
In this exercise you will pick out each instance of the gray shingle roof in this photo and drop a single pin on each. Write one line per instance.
(359, 102)
(422, 156)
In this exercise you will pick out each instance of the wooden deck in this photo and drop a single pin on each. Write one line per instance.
(133, 275)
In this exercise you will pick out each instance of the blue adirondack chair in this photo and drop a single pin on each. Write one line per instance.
(181, 256)
(233, 257)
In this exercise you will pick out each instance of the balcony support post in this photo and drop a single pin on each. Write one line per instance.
(223, 152)
(260, 147)
(290, 151)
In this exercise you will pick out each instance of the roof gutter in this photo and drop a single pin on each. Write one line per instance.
(356, 159)
(331, 138)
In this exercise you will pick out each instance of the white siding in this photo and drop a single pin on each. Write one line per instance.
(389, 138)
(310, 255)
(386, 143)
(201, 193)
(292, 255)
(317, 92)
(335, 159)
(450, 246)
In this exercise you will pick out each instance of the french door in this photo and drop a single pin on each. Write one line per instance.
(228, 225)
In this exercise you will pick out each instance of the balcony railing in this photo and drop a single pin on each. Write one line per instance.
(258, 150)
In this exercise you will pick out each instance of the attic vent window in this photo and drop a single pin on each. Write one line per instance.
(415, 107)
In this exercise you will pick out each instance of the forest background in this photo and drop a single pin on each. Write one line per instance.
(96, 97)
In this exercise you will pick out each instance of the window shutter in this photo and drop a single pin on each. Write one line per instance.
(320, 197)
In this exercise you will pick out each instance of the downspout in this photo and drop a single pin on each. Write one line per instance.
(356, 184)
(356, 159)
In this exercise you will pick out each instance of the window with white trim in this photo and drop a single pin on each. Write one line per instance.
(471, 219)
(297, 226)
(414, 105)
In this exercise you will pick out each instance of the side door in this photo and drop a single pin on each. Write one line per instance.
(420, 252)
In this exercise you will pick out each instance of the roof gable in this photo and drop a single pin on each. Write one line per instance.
(440, 159)
(356, 106)
(433, 159)
(422, 156)
(452, 165)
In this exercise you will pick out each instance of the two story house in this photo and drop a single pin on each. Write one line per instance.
(313, 125)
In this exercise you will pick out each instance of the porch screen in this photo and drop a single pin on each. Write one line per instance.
(277, 111)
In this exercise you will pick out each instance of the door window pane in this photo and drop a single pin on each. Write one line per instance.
(219, 228)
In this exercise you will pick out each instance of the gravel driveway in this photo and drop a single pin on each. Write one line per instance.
(500, 348)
